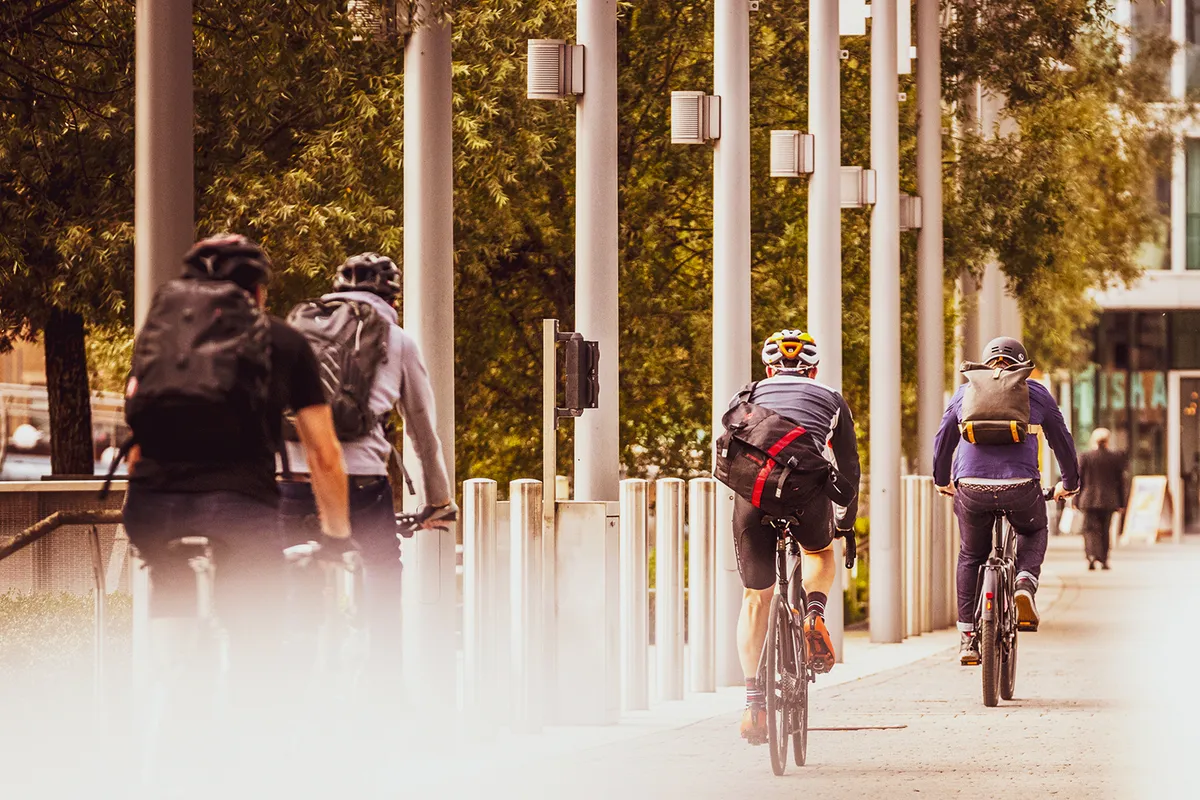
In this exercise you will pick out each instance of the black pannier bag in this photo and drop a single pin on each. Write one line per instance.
(770, 461)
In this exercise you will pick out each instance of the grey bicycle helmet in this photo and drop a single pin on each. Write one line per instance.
(369, 272)
(1005, 347)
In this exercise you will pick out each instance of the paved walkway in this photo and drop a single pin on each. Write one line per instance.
(1090, 720)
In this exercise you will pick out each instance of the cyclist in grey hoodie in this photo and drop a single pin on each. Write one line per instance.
(402, 383)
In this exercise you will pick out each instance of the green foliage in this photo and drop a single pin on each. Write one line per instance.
(299, 135)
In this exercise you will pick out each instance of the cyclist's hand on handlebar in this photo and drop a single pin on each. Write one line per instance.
(333, 547)
(436, 516)
(947, 490)
(851, 545)
(1061, 493)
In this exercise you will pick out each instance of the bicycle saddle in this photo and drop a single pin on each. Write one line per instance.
(191, 545)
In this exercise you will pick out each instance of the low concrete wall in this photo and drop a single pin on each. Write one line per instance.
(60, 562)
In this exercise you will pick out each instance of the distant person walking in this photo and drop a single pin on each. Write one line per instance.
(1102, 476)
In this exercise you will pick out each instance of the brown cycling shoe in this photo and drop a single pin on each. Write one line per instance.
(820, 646)
(1027, 613)
(754, 725)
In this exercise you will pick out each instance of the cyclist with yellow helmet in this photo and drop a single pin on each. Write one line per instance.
(792, 391)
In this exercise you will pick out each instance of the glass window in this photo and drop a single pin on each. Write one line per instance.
(1155, 252)
(1192, 46)
(1125, 389)
(1193, 203)
(1150, 20)
(1185, 339)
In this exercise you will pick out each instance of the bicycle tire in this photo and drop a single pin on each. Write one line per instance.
(775, 687)
(800, 706)
(1008, 668)
(989, 651)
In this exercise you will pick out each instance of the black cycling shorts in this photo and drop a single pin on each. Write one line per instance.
(754, 539)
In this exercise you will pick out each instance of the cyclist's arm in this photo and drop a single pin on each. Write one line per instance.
(845, 450)
(1055, 429)
(328, 471)
(420, 422)
(946, 442)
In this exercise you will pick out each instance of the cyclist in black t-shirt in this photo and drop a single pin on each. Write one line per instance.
(221, 485)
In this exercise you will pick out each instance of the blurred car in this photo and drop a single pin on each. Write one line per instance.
(25, 431)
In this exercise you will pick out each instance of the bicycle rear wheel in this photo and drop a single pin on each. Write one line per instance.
(800, 702)
(780, 653)
(1008, 668)
(989, 650)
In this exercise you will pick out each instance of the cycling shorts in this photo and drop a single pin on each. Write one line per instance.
(754, 539)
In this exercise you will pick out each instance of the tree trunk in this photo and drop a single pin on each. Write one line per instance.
(70, 401)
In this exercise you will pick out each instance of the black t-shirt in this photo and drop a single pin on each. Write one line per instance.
(247, 463)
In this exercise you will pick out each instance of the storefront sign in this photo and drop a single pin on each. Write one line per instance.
(1149, 513)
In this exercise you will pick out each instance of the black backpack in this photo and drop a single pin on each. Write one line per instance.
(201, 372)
(995, 404)
(350, 340)
(768, 460)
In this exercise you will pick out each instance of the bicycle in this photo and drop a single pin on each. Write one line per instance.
(785, 669)
(192, 684)
(996, 613)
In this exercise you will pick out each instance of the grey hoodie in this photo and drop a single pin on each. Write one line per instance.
(402, 380)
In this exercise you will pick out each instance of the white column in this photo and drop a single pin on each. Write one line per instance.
(825, 214)
(731, 286)
(931, 326)
(597, 435)
(429, 584)
(887, 623)
(825, 223)
(163, 211)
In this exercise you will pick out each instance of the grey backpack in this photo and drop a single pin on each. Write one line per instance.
(350, 340)
(995, 404)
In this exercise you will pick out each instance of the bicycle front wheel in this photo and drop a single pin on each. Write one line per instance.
(780, 654)
(800, 702)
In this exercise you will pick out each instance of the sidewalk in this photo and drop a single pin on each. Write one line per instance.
(1064, 734)
(863, 659)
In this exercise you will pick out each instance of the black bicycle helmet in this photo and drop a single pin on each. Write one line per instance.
(1007, 348)
(369, 272)
(228, 257)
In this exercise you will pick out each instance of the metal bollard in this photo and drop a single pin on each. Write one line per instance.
(939, 554)
(480, 606)
(926, 565)
(99, 611)
(909, 517)
(668, 587)
(526, 599)
(702, 565)
(635, 638)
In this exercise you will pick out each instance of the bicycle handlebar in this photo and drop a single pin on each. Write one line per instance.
(408, 524)
(851, 546)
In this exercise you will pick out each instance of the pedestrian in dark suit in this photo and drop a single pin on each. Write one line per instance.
(1102, 480)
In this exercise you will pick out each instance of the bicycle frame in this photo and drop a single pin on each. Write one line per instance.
(997, 573)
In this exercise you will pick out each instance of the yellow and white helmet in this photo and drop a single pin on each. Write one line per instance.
(789, 350)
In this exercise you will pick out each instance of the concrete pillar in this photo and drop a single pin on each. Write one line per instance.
(825, 222)
(931, 327)
(597, 433)
(731, 286)
(164, 184)
(429, 586)
(887, 623)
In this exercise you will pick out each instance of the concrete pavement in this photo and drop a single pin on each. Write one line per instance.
(1091, 719)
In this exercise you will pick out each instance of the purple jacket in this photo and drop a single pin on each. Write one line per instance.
(954, 458)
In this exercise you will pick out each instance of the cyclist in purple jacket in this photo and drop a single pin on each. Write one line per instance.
(986, 479)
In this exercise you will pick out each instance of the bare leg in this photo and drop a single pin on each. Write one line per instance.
(752, 628)
(819, 570)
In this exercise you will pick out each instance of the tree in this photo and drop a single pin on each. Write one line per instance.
(66, 193)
